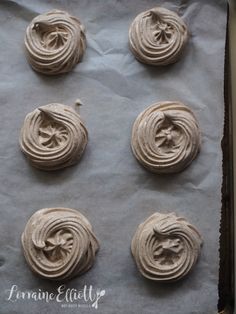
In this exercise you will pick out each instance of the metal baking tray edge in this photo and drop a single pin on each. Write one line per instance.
(227, 230)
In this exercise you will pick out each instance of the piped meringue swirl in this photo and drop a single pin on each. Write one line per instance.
(165, 247)
(158, 36)
(55, 42)
(53, 137)
(165, 137)
(59, 243)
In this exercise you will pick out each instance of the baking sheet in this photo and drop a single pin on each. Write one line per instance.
(108, 185)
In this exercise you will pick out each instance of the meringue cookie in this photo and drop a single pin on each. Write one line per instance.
(165, 137)
(55, 42)
(53, 137)
(59, 243)
(157, 36)
(165, 247)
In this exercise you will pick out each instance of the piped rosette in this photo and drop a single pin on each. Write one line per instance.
(166, 247)
(53, 137)
(59, 243)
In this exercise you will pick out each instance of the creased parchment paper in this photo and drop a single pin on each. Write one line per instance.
(108, 185)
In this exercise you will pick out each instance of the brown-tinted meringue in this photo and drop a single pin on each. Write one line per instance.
(59, 243)
(158, 36)
(166, 137)
(53, 137)
(165, 247)
(55, 42)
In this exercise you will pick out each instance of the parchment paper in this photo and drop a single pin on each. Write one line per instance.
(108, 185)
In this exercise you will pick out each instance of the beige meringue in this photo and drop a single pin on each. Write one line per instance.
(158, 36)
(165, 137)
(55, 42)
(53, 137)
(165, 247)
(59, 243)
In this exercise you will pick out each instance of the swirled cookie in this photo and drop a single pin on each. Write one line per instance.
(165, 137)
(165, 247)
(158, 36)
(53, 137)
(55, 42)
(59, 243)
